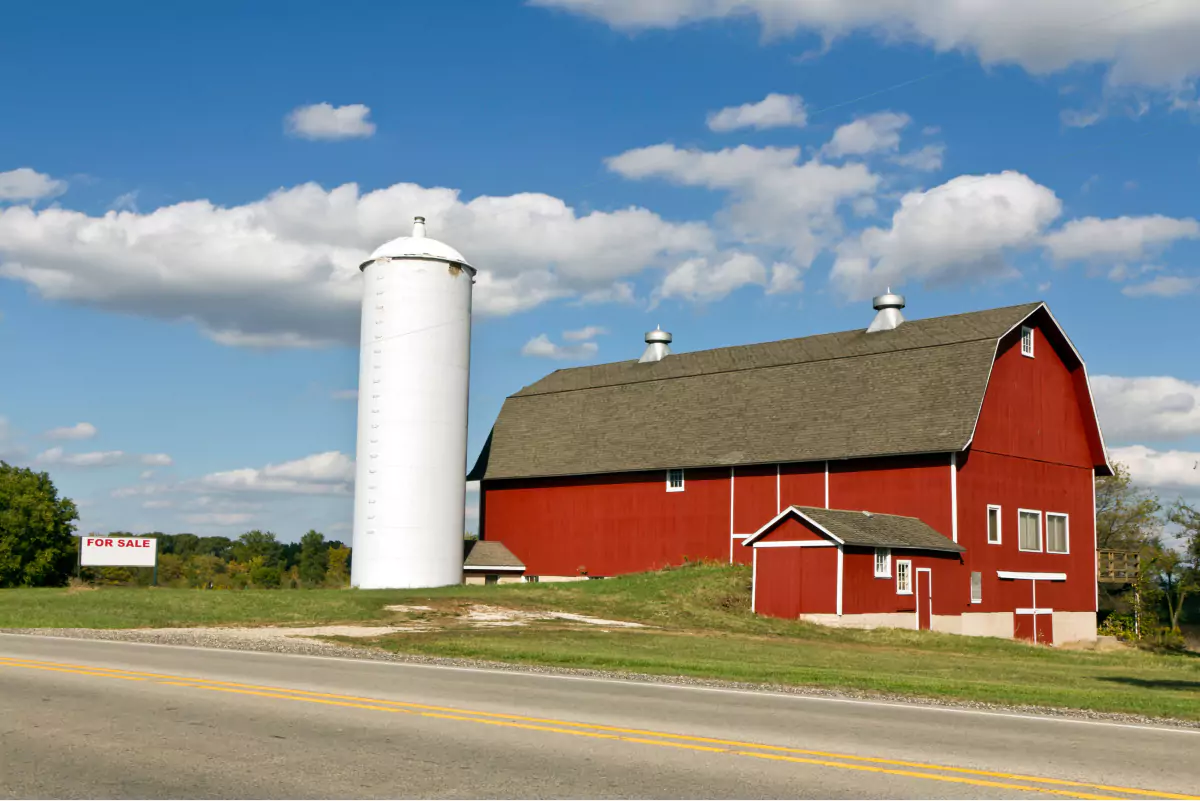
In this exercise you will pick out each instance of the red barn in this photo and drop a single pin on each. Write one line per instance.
(975, 433)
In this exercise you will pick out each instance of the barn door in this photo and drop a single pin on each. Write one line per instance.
(924, 592)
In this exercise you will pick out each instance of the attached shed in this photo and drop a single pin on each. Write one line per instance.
(850, 568)
(488, 562)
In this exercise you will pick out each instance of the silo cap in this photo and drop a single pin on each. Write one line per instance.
(417, 246)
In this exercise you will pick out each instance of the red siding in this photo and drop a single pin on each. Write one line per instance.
(862, 593)
(610, 524)
(916, 486)
(754, 499)
(790, 529)
(794, 581)
(802, 484)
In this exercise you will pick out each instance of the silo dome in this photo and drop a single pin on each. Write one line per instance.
(417, 246)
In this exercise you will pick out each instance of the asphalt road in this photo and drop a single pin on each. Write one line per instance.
(90, 719)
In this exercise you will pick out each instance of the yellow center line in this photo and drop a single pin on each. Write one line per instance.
(479, 716)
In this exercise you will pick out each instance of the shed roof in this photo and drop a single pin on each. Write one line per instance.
(866, 529)
(480, 554)
(914, 389)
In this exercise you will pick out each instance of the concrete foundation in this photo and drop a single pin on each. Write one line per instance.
(1074, 627)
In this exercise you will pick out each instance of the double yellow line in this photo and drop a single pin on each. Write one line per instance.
(893, 767)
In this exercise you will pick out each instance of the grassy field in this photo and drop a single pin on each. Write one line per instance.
(701, 627)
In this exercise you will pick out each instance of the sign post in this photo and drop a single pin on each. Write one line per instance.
(96, 551)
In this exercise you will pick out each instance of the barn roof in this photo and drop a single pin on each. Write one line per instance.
(866, 529)
(481, 554)
(915, 389)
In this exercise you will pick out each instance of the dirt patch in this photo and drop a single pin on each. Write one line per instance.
(484, 616)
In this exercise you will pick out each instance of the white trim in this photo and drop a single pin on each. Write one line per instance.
(671, 470)
(954, 496)
(1066, 531)
(928, 594)
(790, 510)
(753, 578)
(826, 484)
(841, 572)
(731, 516)
(1027, 329)
(1095, 534)
(778, 495)
(494, 567)
(999, 524)
(887, 564)
(797, 544)
(1033, 611)
(1021, 574)
(1041, 533)
(908, 574)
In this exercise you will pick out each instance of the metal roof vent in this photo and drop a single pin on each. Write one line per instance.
(888, 305)
(656, 345)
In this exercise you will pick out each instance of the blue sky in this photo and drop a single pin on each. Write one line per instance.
(185, 194)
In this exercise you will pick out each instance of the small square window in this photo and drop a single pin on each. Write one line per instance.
(993, 525)
(1027, 341)
(904, 577)
(1057, 533)
(976, 588)
(675, 481)
(883, 563)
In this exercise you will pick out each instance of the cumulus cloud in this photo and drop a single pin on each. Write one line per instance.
(1094, 239)
(774, 199)
(927, 159)
(785, 278)
(24, 184)
(93, 459)
(1172, 470)
(75, 432)
(1147, 408)
(960, 230)
(773, 111)
(283, 271)
(873, 133)
(1163, 286)
(585, 333)
(1146, 43)
(541, 346)
(703, 280)
(322, 121)
(156, 459)
(329, 473)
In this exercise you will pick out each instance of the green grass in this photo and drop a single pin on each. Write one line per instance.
(702, 628)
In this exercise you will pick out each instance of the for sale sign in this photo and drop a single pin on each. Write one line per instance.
(118, 551)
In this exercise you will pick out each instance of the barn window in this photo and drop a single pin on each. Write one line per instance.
(675, 481)
(993, 524)
(976, 587)
(1027, 341)
(1057, 530)
(1030, 530)
(904, 577)
(491, 578)
(883, 563)
(531, 579)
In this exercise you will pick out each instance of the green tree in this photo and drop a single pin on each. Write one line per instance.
(1179, 569)
(338, 573)
(1127, 516)
(314, 558)
(220, 547)
(258, 544)
(36, 546)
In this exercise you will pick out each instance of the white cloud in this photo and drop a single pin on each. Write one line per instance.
(162, 503)
(283, 271)
(56, 456)
(23, 184)
(873, 133)
(542, 347)
(585, 333)
(959, 230)
(1143, 43)
(146, 475)
(156, 459)
(774, 200)
(322, 121)
(773, 111)
(75, 432)
(785, 278)
(1147, 408)
(703, 280)
(1095, 239)
(344, 394)
(329, 473)
(927, 159)
(1173, 470)
(217, 518)
(1163, 286)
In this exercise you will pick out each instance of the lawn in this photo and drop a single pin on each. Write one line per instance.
(701, 627)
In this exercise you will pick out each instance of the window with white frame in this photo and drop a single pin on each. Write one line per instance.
(903, 577)
(675, 481)
(883, 563)
(1027, 341)
(1029, 534)
(976, 587)
(993, 524)
(1057, 533)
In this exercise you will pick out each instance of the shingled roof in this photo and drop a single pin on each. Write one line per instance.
(488, 554)
(915, 389)
(867, 529)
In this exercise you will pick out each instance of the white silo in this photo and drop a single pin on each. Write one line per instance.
(410, 483)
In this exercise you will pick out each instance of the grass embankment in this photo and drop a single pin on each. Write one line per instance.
(702, 628)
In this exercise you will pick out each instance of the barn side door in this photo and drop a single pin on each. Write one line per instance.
(924, 593)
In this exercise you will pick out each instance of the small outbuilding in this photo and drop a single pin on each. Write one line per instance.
(488, 562)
